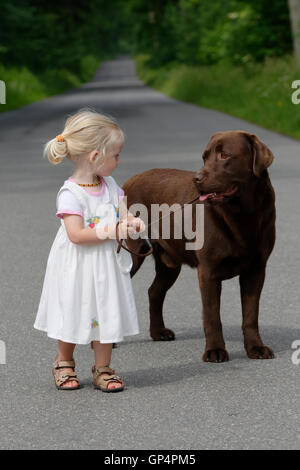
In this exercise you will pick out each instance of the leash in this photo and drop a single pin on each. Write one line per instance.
(150, 251)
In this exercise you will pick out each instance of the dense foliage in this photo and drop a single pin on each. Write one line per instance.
(48, 46)
(207, 32)
(43, 33)
(46, 33)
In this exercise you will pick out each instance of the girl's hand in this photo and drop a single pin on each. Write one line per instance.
(124, 229)
(137, 224)
(110, 231)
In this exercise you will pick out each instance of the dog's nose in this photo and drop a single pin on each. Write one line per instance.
(199, 178)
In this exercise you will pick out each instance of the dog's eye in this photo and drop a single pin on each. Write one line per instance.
(223, 155)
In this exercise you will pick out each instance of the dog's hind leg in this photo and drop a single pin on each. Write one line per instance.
(138, 246)
(164, 279)
(137, 263)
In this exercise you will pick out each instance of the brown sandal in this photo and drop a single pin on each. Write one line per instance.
(61, 377)
(101, 383)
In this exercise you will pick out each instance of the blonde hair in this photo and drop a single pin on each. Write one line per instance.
(84, 132)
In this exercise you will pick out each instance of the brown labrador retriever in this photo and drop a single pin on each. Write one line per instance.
(239, 234)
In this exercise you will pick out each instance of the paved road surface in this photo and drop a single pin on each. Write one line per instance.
(173, 400)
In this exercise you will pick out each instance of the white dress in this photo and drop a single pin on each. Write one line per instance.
(87, 292)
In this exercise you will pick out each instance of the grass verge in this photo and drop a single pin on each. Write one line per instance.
(257, 92)
(24, 87)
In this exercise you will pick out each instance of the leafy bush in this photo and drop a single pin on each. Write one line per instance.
(206, 32)
(43, 34)
(24, 87)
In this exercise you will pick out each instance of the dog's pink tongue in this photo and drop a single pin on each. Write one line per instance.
(203, 197)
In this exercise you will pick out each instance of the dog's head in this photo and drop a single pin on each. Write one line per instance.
(231, 159)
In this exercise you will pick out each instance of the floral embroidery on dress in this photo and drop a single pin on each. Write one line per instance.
(117, 211)
(92, 221)
(94, 323)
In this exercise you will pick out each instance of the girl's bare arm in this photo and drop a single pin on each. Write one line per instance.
(79, 234)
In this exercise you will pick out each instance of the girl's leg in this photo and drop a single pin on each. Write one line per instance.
(102, 358)
(65, 353)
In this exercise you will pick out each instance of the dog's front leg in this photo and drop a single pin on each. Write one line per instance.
(164, 279)
(211, 293)
(251, 284)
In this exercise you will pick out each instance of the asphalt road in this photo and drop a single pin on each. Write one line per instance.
(173, 400)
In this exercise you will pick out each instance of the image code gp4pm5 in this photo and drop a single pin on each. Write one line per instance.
(172, 459)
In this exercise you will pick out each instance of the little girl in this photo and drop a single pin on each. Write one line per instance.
(87, 295)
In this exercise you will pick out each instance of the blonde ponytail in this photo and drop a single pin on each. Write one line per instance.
(56, 150)
(84, 132)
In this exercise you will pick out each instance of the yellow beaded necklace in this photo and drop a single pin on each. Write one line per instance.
(91, 184)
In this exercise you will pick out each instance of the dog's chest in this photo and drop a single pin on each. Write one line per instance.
(232, 266)
(232, 244)
(236, 235)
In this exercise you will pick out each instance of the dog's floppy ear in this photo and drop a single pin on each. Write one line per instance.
(262, 155)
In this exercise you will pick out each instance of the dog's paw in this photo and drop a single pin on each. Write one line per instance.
(215, 355)
(164, 334)
(260, 352)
